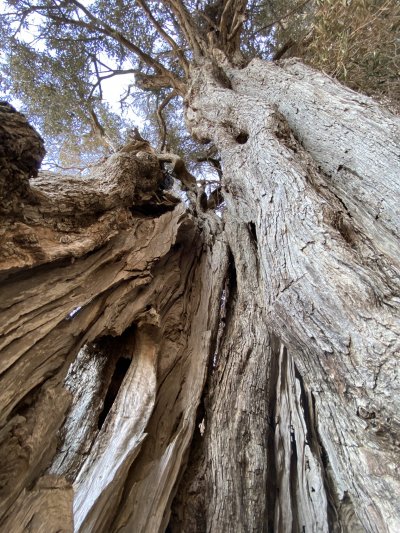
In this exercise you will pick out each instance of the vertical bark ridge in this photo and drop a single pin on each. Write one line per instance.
(327, 284)
(112, 285)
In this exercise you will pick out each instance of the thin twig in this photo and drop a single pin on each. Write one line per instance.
(100, 79)
(188, 28)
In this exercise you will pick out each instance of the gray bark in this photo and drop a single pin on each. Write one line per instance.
(318, 190)
(162, 367)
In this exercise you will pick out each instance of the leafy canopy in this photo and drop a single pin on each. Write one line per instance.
(58, 57)
(58, 54)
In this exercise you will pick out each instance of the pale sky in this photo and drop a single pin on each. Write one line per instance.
(113, 88)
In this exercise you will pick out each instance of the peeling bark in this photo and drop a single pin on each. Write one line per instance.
(124, 285)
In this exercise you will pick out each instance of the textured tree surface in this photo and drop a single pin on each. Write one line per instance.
(163, 368)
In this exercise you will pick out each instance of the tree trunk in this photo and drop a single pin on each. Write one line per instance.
(163, 368)
(311, 186)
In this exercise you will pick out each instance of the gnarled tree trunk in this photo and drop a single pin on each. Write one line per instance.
(311, 182)
(165, 368)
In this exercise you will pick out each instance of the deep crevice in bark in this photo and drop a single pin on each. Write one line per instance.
(294, 481)
(271, 484)
(227, 302)
(121, 368)
(307, 402)
(232, 278)
(253, 233)
(345, 229)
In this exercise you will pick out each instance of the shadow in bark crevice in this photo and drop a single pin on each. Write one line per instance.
(151, 210)
(23, 406)
(345, 229)
(94, 380)
(120, 370)
(253, 233)
(271, 484)
(227, 304)
(27, 273)
(118, 351)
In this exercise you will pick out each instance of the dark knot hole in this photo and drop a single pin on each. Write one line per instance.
(242, 138)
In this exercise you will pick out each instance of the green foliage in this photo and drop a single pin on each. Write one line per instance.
(357, 41)
(57, 55)
(48, 86)
(53, 68)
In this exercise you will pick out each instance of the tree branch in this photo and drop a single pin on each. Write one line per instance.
(179, 168)
(237, 27)
(226, 14)
(118, 36)
(98, 84)
(96, 24)
(149, 82)
(161, 119)
(215, 163)
(107, 76)
(189, 30)
(98, 128)
(178, 51)
(231, 23)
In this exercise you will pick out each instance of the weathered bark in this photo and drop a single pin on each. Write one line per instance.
(119, 274)
(311, 170)
(170, 369)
